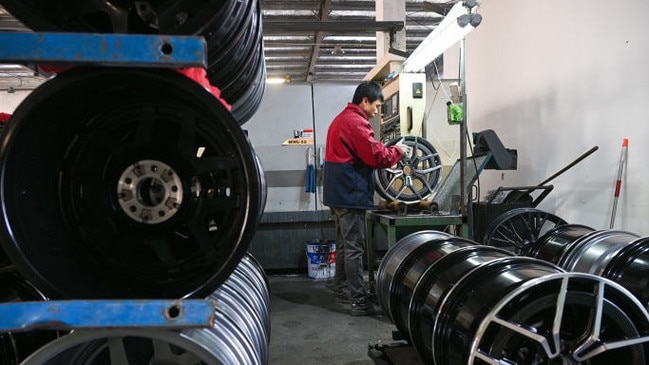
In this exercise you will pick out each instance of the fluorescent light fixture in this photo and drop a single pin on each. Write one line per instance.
(446, 34)
(278, 80)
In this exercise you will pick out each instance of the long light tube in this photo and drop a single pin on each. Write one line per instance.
(446, 34)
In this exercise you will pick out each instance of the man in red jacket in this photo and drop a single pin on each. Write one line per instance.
(352, 154)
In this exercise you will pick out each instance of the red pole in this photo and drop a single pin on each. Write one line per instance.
(618, 182)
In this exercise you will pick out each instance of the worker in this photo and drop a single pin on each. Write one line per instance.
(352, 154)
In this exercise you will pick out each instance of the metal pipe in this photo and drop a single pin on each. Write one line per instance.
(463, 131)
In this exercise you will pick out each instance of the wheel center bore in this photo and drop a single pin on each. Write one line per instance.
(149, 191)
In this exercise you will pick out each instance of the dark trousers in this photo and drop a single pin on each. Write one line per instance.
(350, 246)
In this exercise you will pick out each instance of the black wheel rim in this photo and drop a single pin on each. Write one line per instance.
(435, 283)
(64, 159)
(592, 253)
(551, 246)
(122, 16)
(391, 262)
(520, 227)
(471, 299)
(630, 268)
(415, 177)
(569, 318)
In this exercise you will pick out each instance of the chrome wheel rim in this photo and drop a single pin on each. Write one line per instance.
(413, 178)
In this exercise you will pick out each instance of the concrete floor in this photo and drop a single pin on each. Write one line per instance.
(308, 328)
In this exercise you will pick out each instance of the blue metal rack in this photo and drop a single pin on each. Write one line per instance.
(73, 314)
(105, 50)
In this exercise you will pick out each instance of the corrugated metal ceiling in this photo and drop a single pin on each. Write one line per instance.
(306, 40)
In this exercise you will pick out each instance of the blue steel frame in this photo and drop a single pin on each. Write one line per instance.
(69, 314)
(103, 49)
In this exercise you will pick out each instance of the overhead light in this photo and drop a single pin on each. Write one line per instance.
(456, 25)
(278, 80)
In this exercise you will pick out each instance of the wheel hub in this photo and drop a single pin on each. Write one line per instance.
(149, 191)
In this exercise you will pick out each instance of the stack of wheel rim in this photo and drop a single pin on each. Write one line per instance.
(232, 29)
(146, 189)
(463, 303)
(617, 255)
(240, 335)
(134, 183)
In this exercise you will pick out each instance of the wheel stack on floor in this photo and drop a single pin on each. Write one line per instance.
(138, 183)
(458, 302)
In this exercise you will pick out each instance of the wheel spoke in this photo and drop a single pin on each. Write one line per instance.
(199, 230)
(426, 171)
(541, 340)
(207, 165)
(143, 131)
(186, 139)
(607, 346)
(162, 353)
(397, 176)
(490, 360)
(163, 252)
(219, 204)
(423, 164)
(523, 226)
(558, 314)
(117, 351)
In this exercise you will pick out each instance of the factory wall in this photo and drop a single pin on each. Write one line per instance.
(554, 78)
(293, 218)
(9, 101)
(286, 108)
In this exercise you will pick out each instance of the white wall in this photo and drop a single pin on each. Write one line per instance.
(10, 101)
(283, 109)
(554, 78)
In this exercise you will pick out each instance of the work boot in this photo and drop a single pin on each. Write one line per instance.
(341, 296)
(365, 308)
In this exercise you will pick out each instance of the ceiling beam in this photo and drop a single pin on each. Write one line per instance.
(325, 7)
(338, 26)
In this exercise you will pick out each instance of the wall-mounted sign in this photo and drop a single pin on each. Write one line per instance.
(298, 142)
(301, 137)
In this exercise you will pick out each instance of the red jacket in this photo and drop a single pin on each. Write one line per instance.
(4, 117)
(351, 156)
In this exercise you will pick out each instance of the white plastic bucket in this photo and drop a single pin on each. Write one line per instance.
(321, 259)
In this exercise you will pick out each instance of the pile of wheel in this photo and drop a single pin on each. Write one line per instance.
(232, 29)
(142, 186)
(617, 255)
(239, 336)
(458, 302)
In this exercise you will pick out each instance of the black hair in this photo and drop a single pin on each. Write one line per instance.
(370, 90)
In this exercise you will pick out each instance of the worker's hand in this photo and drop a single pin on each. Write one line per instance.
(407, 150)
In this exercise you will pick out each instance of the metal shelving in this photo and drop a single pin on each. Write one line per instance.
(112, 50)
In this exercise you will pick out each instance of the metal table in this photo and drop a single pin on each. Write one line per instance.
(397, 226)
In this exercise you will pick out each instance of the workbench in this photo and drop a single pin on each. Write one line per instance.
(398, 226)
